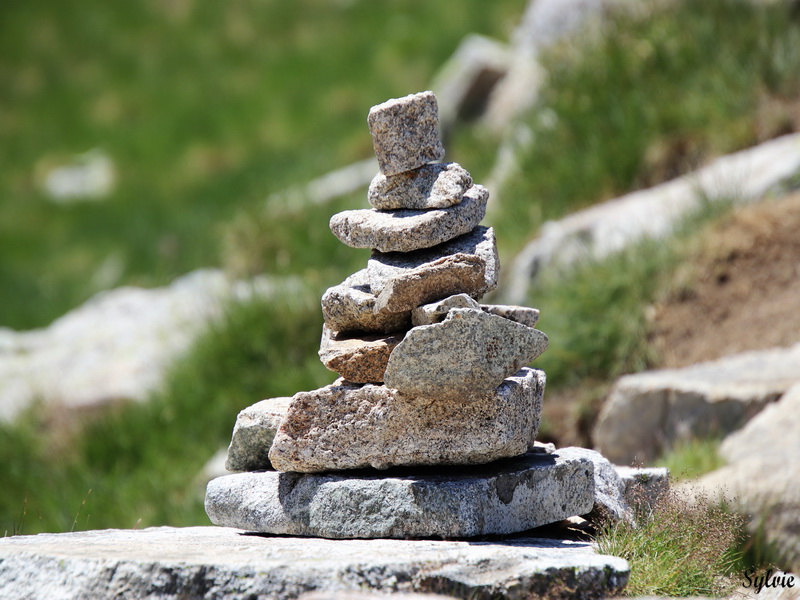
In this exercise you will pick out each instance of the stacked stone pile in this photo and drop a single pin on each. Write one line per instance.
(433, 384)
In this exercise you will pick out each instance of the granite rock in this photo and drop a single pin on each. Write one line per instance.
(436, 185)
(357, 359)
(253, 434)
(610, 503)
(461, 358)
(405, 132)
(217, 562)
(503, 497)
(519, 314)
(348, 426)
(428, 314)
(646, 412)
(350, 307)
(407, 230)
(644, 486)
(407, 290)
(383, 267)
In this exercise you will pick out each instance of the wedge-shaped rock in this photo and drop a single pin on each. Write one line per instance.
(428, 314)
(519, 314)
(405, 132)
(433, 186)
(461, 358)
(504, 497)
(384, 268)
(408, 230)
(253, 433)
(357, 359)
(347, 426)
(350, 307)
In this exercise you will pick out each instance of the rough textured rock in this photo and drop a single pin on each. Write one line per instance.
(605, 228)
(428, 314)
(438, 185)
(461, 358)
(216, 562)
(346, 426)
(350, 307)
(430, 281)
(761, 479)
(357, 359)
(520, 314)
(119, 344)
(405, 132)
(610, 504)
(253, 434)
(386, 267)
(503, 497)
(647, 411)
(408, 230)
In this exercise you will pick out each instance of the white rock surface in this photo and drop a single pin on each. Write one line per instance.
(646, 412)
(605, 228)
(216, 562)
(119, 344)
(347, 426)
(503, 497)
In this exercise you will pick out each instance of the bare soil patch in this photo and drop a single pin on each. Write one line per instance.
(739, 291)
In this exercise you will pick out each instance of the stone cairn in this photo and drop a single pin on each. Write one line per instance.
(430, 430)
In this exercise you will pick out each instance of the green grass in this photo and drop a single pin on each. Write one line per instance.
(204, 107)
(651, 100)
(688, 459)
(680, 548)
(141, 461)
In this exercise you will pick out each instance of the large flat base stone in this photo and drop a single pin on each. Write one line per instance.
(215, 562)
(506, 496)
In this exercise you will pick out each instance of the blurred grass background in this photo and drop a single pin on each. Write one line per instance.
(207, 107)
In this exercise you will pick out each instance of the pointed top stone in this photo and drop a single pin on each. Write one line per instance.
(405, 132)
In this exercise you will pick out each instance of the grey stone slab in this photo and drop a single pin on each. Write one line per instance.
(385, 267)
(644, 486)
(519, 314)
(504, 497)
(350, 307)
(610, 502)
(253, 434)
(645, 413)
(456, 273)
(461, 358)
(218, 562)
(405, 132)
(357, 359)
(428, 314)
(407, 230)
(433, 186)
(347, 426)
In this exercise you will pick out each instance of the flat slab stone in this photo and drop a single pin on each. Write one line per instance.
(436, 185)
(350, 307)
(405, 132)
(218, 562)
(253, 434)
(503, 497)
(415, 278)
(464, 356)
(347, 426)
(359, 360)
(648, 411)
(407, 230)
(386, 267)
